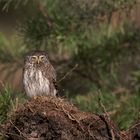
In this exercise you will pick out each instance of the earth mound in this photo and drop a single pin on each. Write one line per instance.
(53, 118)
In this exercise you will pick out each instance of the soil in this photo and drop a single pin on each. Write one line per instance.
(53, 118)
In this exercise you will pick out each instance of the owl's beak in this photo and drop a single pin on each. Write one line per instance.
(38, 60)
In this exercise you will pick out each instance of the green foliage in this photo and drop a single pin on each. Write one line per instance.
(8, 103)
(123, 109)
(5, 104)
(35, 30)
(53, 20)
(103, 57)
(128, 110)
(14, 3)
(81, 32)
(136, 79)
(11, 51)
(12, 54)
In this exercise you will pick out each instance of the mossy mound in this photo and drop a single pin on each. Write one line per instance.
(52, 118)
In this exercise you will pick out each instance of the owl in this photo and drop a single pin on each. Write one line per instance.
(39, 76)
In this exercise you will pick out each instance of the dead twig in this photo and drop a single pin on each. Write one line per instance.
(68, 73)
(107, 118)
(21, 134)
(72, 117)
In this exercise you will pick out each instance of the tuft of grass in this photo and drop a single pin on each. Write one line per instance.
(8, 102)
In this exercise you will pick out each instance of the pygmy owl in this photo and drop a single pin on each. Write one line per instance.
(39, 76)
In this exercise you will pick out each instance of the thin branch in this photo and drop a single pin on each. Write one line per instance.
(68, 73)
(21, 134)
(107, 119)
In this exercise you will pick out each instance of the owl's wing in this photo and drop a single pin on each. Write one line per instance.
(51, 75)
(54, 80)
(55, 84)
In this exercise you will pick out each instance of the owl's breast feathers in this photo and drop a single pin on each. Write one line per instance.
(39, 81)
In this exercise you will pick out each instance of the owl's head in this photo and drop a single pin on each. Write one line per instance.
(36, 58)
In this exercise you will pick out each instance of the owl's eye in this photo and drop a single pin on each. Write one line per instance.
(42, 57)
(33, 58)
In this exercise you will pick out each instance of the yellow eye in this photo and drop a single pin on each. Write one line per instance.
(34, 58)
(42, 57)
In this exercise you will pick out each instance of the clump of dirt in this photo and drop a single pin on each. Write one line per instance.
(52, 118)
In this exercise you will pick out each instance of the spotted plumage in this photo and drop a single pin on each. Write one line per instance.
(39, 76)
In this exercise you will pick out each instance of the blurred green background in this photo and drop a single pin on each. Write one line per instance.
(94, 46)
